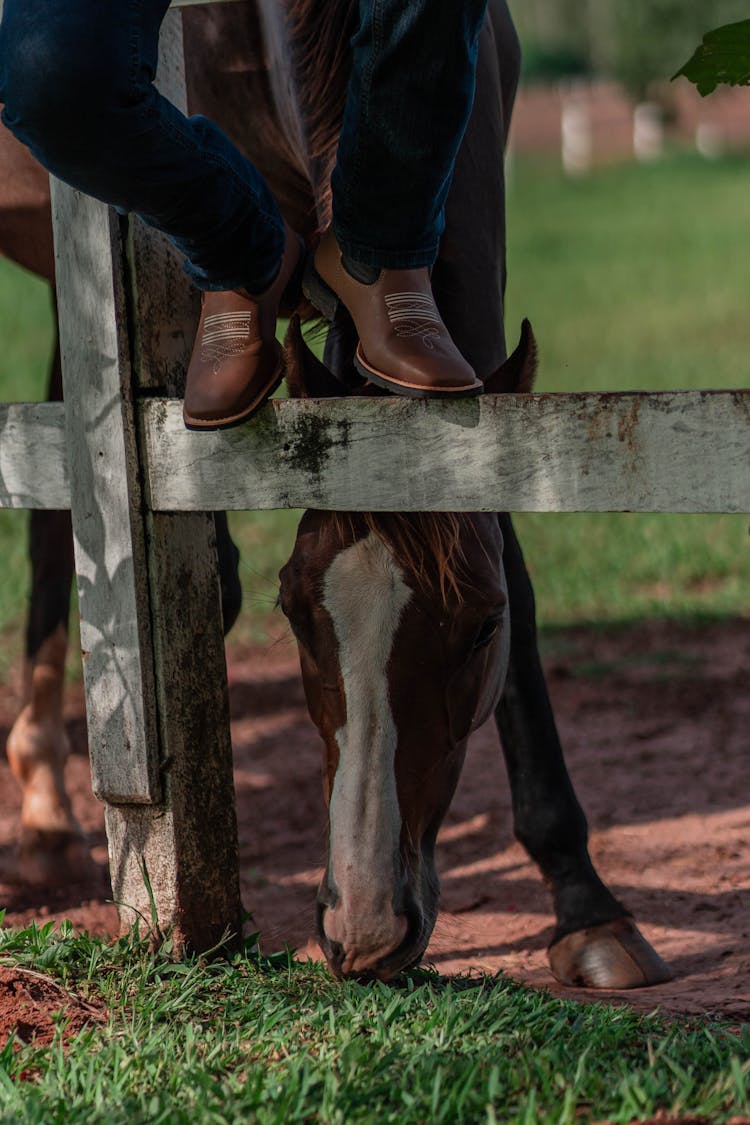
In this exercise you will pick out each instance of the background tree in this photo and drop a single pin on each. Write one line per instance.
(652, 37)
(723, 58)
(638, 42)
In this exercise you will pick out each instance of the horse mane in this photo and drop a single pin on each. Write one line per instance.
(427, 545)
(319, 37)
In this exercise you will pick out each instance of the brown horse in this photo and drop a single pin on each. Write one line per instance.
(420, 593)
(403, 630)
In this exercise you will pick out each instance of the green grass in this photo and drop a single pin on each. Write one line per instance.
(25, 351)
(26, 335)
(274, 1041)
(636, 277)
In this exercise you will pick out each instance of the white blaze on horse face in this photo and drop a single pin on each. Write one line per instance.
(365, 596)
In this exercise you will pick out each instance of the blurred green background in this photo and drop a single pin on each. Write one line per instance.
(640, 43)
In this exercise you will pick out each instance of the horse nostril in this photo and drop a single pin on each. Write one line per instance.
(410, 950)
(336, 956)
(333, 950)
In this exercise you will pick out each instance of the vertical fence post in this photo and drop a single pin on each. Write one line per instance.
(148, 583)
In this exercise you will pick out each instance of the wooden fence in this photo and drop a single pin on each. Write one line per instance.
(140, 486)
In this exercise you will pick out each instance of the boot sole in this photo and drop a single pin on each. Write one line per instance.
(411, 390)
(327, 303)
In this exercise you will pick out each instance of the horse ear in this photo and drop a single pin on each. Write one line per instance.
(306, 376)
(516, 375)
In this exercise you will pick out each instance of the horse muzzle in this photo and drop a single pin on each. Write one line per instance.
(366, 947)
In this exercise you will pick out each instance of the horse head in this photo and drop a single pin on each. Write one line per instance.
(402, 625)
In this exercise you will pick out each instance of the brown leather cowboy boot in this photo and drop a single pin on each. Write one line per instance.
(237, 362)
(403, 344)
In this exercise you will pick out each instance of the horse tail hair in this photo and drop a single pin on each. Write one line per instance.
(320, 33)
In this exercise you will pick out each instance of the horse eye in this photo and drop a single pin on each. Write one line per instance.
(486, 632)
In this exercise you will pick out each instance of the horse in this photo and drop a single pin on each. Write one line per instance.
(454, 596)
(403, 627)
(377, 601)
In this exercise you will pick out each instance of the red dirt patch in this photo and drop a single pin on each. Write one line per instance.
(655, 722)
(32, 1007)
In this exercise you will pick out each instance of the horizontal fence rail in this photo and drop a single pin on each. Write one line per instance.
(33, 456)
(685, 451)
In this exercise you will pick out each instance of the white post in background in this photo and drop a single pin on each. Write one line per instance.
(648, 132)
(576, 136)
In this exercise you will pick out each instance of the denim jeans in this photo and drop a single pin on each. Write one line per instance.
(410, 97)
(76, 80)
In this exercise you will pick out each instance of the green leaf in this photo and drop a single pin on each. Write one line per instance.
(723, 58)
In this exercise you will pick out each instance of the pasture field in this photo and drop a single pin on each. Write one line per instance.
(635, 279)
(273, 1041)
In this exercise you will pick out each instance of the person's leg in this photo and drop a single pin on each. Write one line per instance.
(410, 97)
(76, 77)
(77, 80)
(468, 279)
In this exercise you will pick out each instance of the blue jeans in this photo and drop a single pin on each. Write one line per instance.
(76, 80)
(410, 96)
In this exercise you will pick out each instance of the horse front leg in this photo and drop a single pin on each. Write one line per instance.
(52, 847)
(596, 943)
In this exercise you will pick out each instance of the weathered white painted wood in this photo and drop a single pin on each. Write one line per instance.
(670, 452)
(33, 456)
(188, 843)
(105, 500)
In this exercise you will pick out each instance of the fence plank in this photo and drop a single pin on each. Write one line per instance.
(683, 451)
(33, 456)
(105, 501)
(188, 843)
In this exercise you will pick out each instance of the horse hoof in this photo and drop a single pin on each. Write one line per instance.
(54, 857)
(612, 956)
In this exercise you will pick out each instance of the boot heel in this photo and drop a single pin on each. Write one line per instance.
(318, 293)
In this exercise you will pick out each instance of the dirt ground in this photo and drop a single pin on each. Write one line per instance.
(655, 721)
(30, 1003)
